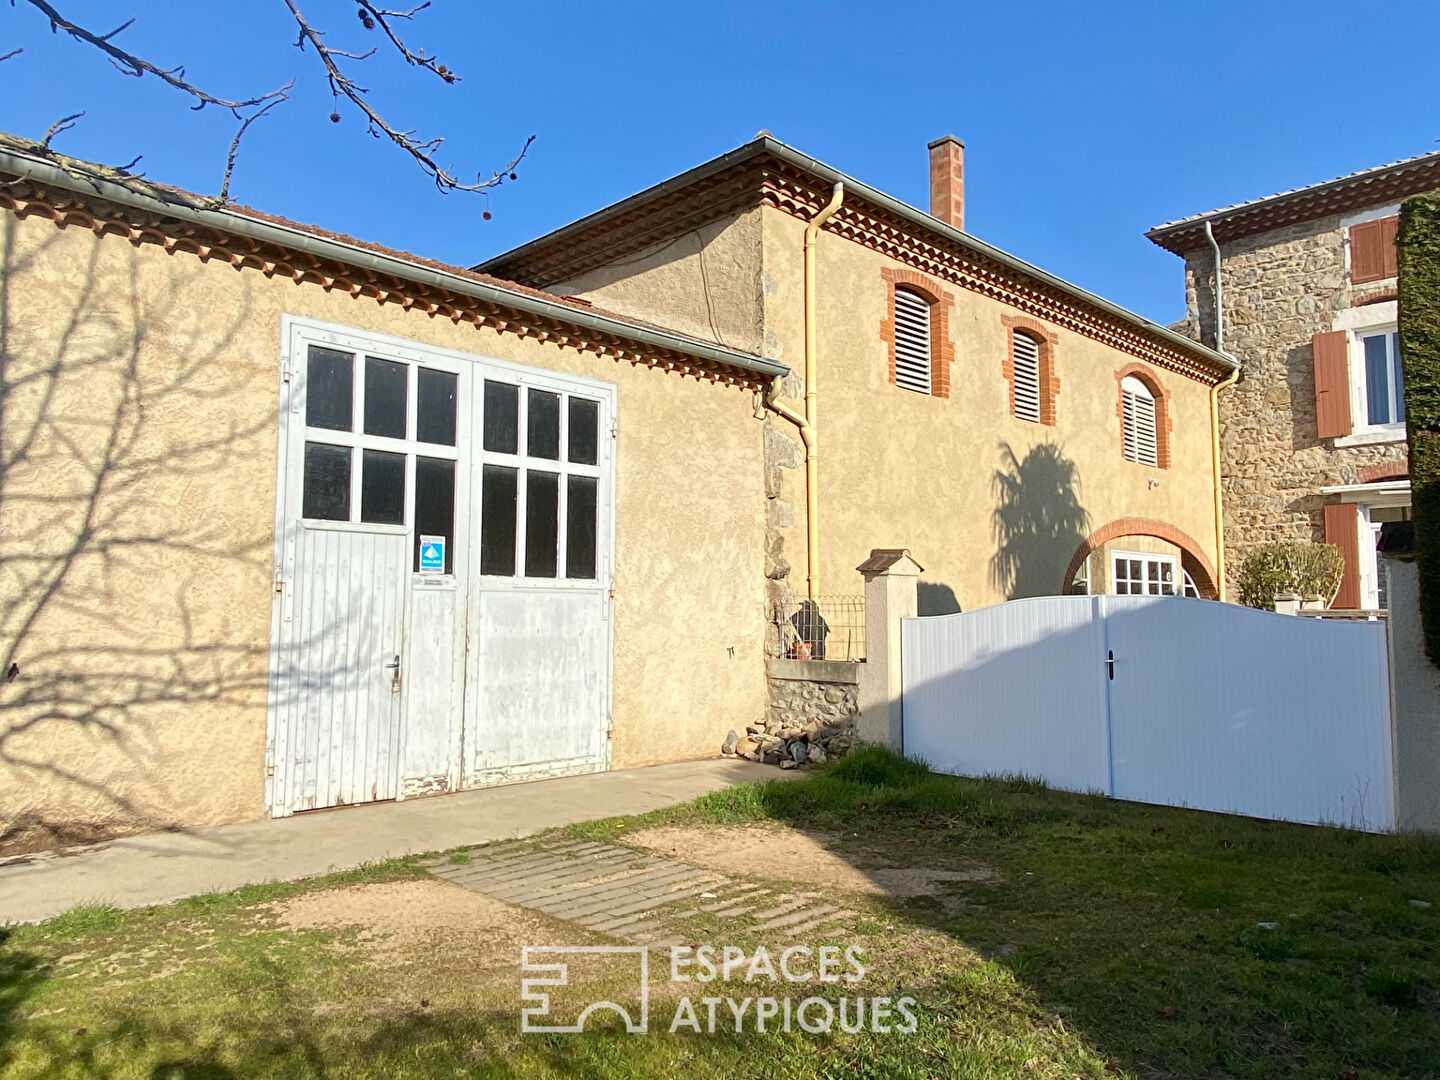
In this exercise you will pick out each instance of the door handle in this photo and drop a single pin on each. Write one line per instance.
(1109, 663)
(394, 666)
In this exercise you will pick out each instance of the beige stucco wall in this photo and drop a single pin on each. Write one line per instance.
(704, 282)
(992, 506)
(137, 517)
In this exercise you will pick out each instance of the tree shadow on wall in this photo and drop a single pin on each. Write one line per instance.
(1038, 521)
(935, 598)
(122, 401)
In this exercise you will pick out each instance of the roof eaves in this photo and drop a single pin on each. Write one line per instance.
(1356, 179)
(745, 152)
(949, 232)
(175, 204)
(768, 144)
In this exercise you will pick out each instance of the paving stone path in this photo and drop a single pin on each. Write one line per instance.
(633, 895)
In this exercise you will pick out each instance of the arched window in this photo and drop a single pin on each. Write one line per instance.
(1025, 352)
(912, 340)
(1137, 409)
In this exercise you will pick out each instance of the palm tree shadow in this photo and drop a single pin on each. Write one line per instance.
(1038, 521)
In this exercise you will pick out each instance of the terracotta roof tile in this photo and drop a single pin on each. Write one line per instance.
(1353, 191)
(171, 194)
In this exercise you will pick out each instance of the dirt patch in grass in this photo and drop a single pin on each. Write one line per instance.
(816, 858)
(397, 915)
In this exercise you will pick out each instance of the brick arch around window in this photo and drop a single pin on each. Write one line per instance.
(1045, 340)
(1192, 557)
(942, 302)
(1163, 420)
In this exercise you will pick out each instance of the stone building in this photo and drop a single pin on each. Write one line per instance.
(1313, 434)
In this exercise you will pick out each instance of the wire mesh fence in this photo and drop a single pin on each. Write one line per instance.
(827, 628)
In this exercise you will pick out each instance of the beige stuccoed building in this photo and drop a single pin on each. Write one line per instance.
(289, 520)
(1313, 434)
(1003, 487)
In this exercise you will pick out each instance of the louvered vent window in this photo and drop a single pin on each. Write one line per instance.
(912, 341)
(1026, 351)
(1138, 405)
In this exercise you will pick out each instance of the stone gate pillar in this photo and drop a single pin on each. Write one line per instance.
(891, 590)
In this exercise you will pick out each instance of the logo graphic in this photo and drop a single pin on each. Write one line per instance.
(432, 554)
(557, 974)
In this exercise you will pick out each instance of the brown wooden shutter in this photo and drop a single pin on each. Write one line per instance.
(1342, 528)
(1372, 250)
(1332, 383)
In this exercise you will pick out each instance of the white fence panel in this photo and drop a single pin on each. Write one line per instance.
(1206, 705)
(1016, 688)
(1228, 708)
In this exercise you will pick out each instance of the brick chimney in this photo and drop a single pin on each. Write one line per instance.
(947, 180)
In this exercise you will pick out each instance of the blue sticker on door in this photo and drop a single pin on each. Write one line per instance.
(432, 554)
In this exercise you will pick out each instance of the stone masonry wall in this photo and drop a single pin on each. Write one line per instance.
(1280, 288)
(810, 714)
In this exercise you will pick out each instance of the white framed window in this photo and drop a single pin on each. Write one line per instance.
(1372, 571)
(540, 465)
(912, 340)
(1026, 353)
(1139, 574)
(1379, 381)
(1138, 418)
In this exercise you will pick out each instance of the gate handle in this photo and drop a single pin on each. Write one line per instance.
(394, 666)
(1109, 663)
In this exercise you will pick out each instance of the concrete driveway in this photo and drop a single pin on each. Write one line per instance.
(161, 867)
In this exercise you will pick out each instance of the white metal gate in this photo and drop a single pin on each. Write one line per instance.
(1160, 699)
(443, 554)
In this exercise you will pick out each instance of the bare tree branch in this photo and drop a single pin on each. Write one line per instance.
(130, 64)
(224, 195)
(65, 123)
(8, 55)
(342, 85)
(371, 17)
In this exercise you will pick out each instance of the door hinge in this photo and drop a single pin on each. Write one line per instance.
(285, 369)
(614, 428)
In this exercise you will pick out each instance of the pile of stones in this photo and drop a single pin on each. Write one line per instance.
(781, 741)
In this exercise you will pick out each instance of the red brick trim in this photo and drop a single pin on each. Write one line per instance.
(942, 302)
(216, 242)
(1163, 420)
(1192, 556)
(1375, 298)
(1045, 338)
(1398, 469)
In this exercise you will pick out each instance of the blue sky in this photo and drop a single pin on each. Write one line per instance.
(1084, 123)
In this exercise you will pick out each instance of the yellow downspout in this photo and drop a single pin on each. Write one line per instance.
(808, 423)
(1229, 380)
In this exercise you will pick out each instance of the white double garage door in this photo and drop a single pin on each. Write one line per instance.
(444, 536)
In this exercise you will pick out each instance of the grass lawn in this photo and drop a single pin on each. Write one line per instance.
(1115, 939)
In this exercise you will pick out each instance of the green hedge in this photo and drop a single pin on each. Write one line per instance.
(1302, 568)
(1419, 254)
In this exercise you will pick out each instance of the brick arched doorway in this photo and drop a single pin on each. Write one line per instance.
(1192, 557)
